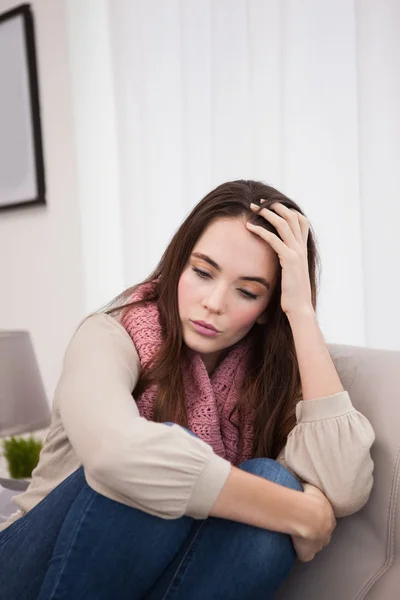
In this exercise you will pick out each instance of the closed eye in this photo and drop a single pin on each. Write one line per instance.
(202, 274)
(248, 295)
(205, 275)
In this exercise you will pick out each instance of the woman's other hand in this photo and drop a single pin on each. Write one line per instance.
(319, 534)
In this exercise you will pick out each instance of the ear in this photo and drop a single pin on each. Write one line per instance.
(262, 319)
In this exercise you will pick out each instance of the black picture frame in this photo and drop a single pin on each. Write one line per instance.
(22, 174)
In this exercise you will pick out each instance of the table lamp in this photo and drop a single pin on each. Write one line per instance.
(23, 403)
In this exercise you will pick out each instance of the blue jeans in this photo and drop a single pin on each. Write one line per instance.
(77, 544)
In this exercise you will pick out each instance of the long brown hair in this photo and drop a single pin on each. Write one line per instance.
(273, 385)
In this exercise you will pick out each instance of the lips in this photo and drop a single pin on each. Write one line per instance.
(207, 326)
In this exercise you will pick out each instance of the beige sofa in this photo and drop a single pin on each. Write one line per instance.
(363, 558)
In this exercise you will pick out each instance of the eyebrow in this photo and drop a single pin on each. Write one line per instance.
(243, 277)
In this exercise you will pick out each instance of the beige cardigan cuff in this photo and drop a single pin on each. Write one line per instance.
(208, 487)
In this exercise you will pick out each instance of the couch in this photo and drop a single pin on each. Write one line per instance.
(363, 559)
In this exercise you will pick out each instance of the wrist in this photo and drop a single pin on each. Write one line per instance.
(309, 508)
(250, 499)
(317, 519)
(301, 313)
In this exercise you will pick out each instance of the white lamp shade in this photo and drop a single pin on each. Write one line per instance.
(23, 402)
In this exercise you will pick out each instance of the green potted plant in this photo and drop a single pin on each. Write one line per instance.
(22, 456)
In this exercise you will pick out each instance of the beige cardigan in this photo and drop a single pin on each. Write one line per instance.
(163, 470)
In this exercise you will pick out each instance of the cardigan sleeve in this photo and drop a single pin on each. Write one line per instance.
(330, 449)
(164, 471)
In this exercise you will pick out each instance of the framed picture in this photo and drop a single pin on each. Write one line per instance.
(22, 179)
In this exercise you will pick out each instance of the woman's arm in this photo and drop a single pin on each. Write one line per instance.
(307, 516)
(164, 471)
(317, 371)
(330, 446)
(341, 465)
(330, 449)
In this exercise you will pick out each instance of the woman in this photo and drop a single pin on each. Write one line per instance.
(240, 446)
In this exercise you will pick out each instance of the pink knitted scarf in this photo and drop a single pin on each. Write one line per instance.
(209, 400)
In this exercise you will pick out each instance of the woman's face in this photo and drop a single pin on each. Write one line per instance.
(219, 287)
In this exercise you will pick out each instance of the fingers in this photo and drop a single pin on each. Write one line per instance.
(300, 223)
(290, 224)
(269, 237)
(288, 230)
(306, 550)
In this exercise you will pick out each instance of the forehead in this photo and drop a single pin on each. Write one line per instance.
(237, 250)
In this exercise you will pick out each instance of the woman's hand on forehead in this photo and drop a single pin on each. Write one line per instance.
(291, 249)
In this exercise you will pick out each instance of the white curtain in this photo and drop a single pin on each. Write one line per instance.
(303, 95)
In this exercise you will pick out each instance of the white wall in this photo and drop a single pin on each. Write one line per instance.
(378, 51)
(304, 95)
(253, 89)
(95, 133)
(40, 249)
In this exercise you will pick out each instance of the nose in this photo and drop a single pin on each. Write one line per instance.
(214, 301)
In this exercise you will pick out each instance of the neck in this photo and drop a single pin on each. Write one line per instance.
(211, 361)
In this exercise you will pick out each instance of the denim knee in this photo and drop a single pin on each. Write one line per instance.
(273, 471)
